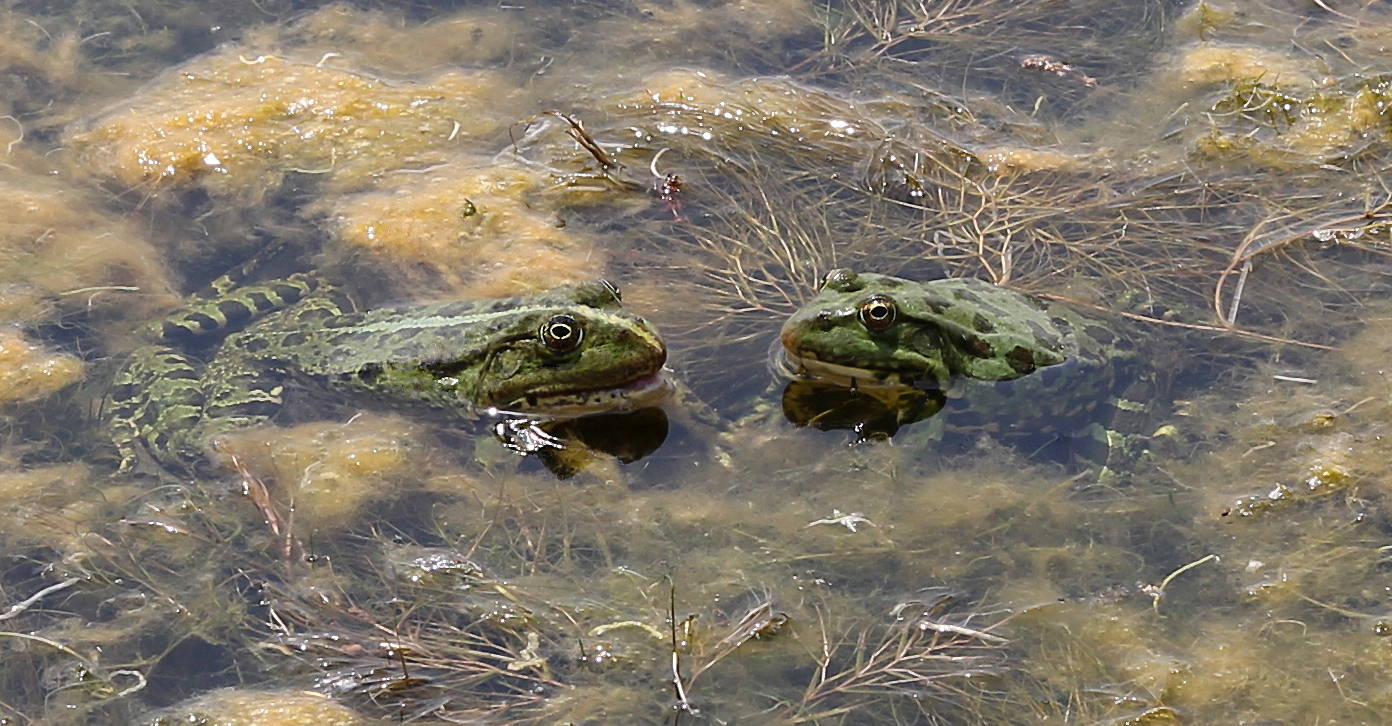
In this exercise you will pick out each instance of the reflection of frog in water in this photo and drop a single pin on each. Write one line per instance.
(567, 352)
(986, 356)
(871, 412)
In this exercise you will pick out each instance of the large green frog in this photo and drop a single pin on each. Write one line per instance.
(997, 358)
(566, 352)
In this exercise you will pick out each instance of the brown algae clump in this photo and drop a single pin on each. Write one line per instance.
(386, 42)
(484, 230)
(710, 109)
(1210, 63)
(236, 119)
(1009, 160)
(325, 471)
(29, 371)
(229, 707)
(60, 252)
(1279, 128)
(685, 27)
(54, 505)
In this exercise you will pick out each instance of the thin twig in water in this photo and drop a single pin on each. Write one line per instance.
(1237, 293)
(1160, 591)
(577, 131)
(9, 148)
(683, 705)
(20, 607)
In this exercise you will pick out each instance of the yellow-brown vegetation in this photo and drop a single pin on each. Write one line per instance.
(29, 371)
(485, 230)
(237, 120)
(61, 251)
(229, 707)
(386, 42)
(326, 472)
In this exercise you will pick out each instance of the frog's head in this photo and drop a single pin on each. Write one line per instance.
(871, 329)
(568, 352)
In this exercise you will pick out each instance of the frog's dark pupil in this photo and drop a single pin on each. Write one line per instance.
(561, 333)
(877, 313)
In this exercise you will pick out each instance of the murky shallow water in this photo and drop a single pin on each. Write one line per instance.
(365, 565)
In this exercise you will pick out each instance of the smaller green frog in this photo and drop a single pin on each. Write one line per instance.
(990, 357)
(567, 352)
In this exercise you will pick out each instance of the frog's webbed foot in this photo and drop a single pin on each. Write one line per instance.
(525, 435)
(562, 456)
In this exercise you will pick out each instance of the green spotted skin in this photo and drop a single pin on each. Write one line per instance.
(1007, 362)
(230, 358)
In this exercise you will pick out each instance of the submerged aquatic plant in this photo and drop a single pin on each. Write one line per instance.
(973, 44)
(922, 655)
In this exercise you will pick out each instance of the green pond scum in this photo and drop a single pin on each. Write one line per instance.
(1201, 179)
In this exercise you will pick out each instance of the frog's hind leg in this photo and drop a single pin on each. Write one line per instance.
(1115, 449)
(155, 401)
(224, 307)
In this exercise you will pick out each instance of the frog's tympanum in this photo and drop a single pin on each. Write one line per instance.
(1000, 359)
(567, 352)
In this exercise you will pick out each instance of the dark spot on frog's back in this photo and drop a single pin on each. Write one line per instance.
(234, 312)
(318, 315)
(204, 322)
(1021, 359)
(260, 301)
(979, 348)
(293, 339)
(982, 324)
(369, 372)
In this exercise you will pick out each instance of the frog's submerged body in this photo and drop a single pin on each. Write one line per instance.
(566, 352)
(1003, 360)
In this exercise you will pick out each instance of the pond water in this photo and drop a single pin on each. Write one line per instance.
(1202, 180)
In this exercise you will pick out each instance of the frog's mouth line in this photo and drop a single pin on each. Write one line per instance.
(639, 393)
(806, 365)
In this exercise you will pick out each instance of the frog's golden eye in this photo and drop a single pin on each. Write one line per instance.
(878, 312)
(561, 334)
